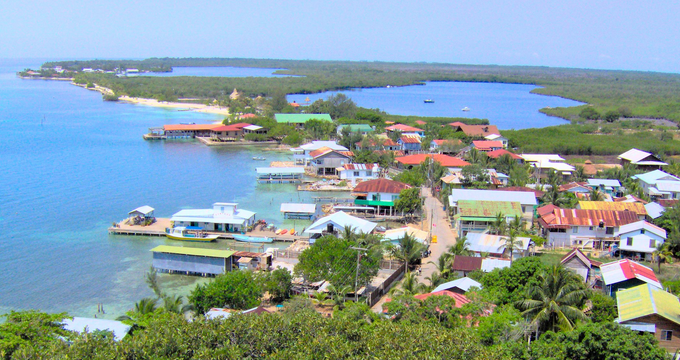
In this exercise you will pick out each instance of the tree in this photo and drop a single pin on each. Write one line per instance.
(554, 196)
(555, 303)
(279, 284)
(279, 101)
(510, 243)
(589, 113)
(408, 250)
(603, 307)
(30, 329)
(663, 254)
(394, 135)
(596, 195)
(461, 247)
(477, 157)
(409, 201)
(443, 263)
(499, 226)
(611, 116)
(233, 289)
(476, 176)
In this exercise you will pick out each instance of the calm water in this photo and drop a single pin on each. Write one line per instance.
(226, 71)
(66, 180)
(509, 106)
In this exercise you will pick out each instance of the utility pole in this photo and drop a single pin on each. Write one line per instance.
(356, 278)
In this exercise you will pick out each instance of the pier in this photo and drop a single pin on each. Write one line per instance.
(158, 229)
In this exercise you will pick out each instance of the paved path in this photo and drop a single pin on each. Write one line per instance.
(441, 228)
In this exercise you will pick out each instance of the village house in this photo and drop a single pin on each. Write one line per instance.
(458, 286)
(611, 187)
(326, 161)
(409, 143)
(527, 200)
(641, 160)
(487, 146)
(477, 216)
(475, 131)
(254, 129)
(497, 137)
(229, 132)
(378, 145)
(301, 154)
(188, 131)
(299, 120)
(450, 162)
(301, 211)
(647, 308)
(224, 217)
(356, 173)
(463, 265)
(363, 129)
(537, 193)
(379, 194)
(494, 245)
(640, 239)
(583, 228)
(495, 179)
(405, 129)
(580, 189)
(335, 224)
(393, 235)
(625, 274)
(449, 146)
(498, 153)
(192, 261)
(637, 208)
(586, 268)
(544, 163)
(659, 185)
(654, 210)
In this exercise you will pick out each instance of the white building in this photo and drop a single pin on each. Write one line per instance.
(527, 200)
(641, 159)
(335, 224)
(546, 162)
(222, 217)
(640, 239)
(356, 173)
(658, 184)
(497, 137)
(301, 154)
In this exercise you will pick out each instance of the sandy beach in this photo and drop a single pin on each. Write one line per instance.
(210, 109)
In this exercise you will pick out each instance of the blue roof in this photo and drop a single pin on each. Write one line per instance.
(79, 325)
(604, 182)
(653, 176)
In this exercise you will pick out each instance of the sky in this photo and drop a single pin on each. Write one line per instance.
(626, 35)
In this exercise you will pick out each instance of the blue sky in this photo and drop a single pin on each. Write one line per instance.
(629, 35)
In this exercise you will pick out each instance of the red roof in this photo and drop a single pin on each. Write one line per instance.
(381, 186)
(359, 166)
(667, 202)
(410, 139)
(190, 127)
(247, 116)
(460, 299)
(547, 209)
(559, 218)
(420, 122)
(475, 130)
(232, 127)
(466, 263)
(486, 144)
(623, 270)
(537, 193)
(500, 152)
(444, 160)
(574, 185)
(403, 128)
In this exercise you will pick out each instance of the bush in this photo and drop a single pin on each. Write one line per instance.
(235, 289)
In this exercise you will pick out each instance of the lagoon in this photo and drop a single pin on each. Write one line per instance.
(509, 106)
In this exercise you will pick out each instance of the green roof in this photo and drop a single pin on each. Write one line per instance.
(357, 127)
(473, 218)
(300, 118)
(646, 299)
(488, 209)
(223, 254)
(373, 202)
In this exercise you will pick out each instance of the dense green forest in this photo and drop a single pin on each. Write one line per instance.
(638, 94)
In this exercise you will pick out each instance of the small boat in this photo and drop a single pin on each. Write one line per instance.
(259, 158)
(278, 232)
(253, 239)
(429, 101)
(189, 233)
(292, 231)
(283, 232)
(465, 109)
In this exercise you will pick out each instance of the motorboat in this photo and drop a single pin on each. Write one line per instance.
(465, 109)
(252, 239)
(429, 101)
(189, 233)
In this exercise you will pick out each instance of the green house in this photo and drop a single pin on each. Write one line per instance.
(476, 216)
(299, 119)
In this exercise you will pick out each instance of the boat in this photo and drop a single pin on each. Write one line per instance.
(259, 158)
(465, 109)
(252, 239)
(189, 233)
(278, 232)
(429, 101)
(283, 232)
(292, 231)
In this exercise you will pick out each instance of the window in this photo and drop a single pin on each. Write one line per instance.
(642, 231)
(590, 228)
(609, 231)
(574, 229)
(629, 241)
(356, 173)
(666, 335)
(652, 243)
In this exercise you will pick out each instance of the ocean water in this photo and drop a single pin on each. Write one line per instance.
(72, 164)
(509, 106)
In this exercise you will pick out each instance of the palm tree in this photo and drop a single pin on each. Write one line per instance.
(143, 307)
(175, 304)
(596, 195)
(475, 156)
(510, 243)
(409, 286)
(408, 250)
(349, 233)
(579, 174)
(499, 225)
(337, 295)
(443, 264)
(663, 254)
(435, 280)
(554, 196)
(554, 303)
(461, 247)
(554, 177)
(517, 224)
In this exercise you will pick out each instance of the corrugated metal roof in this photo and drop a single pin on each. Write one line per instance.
(487, 144)
(146, 209)
(604, 182)
(623, 270)
(80, 324)
(584, 259)
(280, 170)
(484, 242)
(522, 197)
(410, 139)
(403, 128)
(300, 118)
(193, 251)
(634, 155)
(654, 210)
(490, 264)
(360, 166)
(466, 263)
(500, 152)
(613, 206)
(460, 299)
(381, 186)
(645, 300)
(298, 208)
(653, 176)
(341, 220)
(190, 127)
(641, 225)
(489, 209)
(444, 160)
(463, 283)
(475, 130)
(318, 144)
(578, 217)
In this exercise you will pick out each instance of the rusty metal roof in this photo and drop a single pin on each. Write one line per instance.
(613, 206)
(578, 217)
(489, 209)
(381, 186)
(466, 263)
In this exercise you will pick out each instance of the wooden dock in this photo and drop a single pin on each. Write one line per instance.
(158, 229)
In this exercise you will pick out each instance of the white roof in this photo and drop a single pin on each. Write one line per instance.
(493, 137)
(489, 264)
(146, 209)
(558, 166)
(396, 234)
(634, 155)
(653, 176)
(298, 208)
(341, 220)
(209, 216)
(79, 324)
(668, 186)
(484, 242)
(318, 144)
(280, 170)
(542, 157)
(638, 225)
(654, 210)
(613, 273)
(463, 283)
(253, 127)
(604, 182)
(522, 197)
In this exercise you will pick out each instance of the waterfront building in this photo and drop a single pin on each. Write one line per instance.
(279, 174)
(300, 211)
(145, 212)
(641, 160)
(229, 132)
(188, 131)
(325, 161)
(299, 120)
(335, 223)
(356, 173)
(224, 217)
(379, 194)
(301, 154)
(192, 261)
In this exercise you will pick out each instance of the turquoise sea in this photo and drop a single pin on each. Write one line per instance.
(72, 164)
